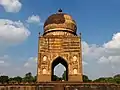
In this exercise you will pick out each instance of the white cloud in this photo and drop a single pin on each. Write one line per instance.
(34, 19)
(84, 63)
(11, 5)
(4, 61)
(102, 59)
(18, 69)
(106, 52)
(114, 43)
(12, 32)
(31, 62)
(2, 74)
(109, 59)
(26, 64)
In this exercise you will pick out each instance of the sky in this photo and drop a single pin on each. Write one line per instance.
(97, 20)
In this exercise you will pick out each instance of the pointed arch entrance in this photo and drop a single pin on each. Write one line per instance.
(59, 60)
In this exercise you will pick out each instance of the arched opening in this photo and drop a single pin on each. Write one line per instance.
(59, 62)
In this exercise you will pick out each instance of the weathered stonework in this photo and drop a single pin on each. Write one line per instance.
(60, 86)
(59, 42)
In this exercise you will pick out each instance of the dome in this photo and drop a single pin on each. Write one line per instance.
(60, 22)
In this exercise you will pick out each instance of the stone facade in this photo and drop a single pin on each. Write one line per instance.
(59, 43)
(60, 86)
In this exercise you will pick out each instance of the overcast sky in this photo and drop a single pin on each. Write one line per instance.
(97, 20)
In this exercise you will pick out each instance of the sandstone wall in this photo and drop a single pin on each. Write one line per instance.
(59, 86)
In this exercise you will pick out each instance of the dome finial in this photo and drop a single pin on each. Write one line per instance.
(60, 10)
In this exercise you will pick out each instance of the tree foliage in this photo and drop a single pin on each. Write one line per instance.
(117, 78)
(114, 79)
(16, 79)
(4, 79)
(86, 79)
(55, 78)
(30, 78)
(64, 76)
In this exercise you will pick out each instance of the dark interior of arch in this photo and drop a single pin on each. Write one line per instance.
(56, 62)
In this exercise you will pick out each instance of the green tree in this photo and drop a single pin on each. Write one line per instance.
(17, 79)
(102, 79)
(28, 77)
(64, 76)
(110, 80)
(34, 78)
(105, 80)
(11, 79)
(86, 79)
(4, 79)
(55, 78)
(117, 78)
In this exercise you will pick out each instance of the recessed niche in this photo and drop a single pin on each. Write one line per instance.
(45, 58)
(75, 71)
(74, 58)
(44, 71)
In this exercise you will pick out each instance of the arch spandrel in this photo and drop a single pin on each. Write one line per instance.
(54, 58)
